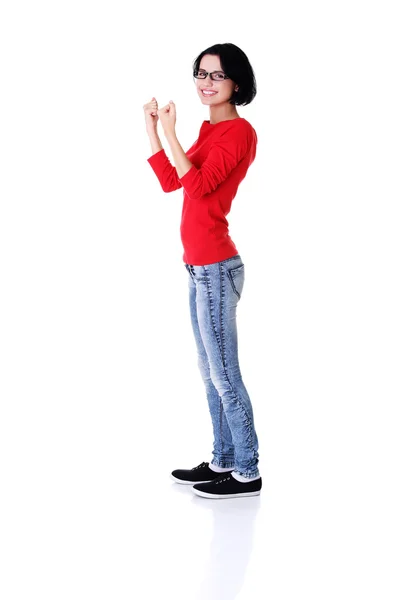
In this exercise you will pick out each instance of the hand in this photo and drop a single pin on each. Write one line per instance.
(167, 116)
(150, 114)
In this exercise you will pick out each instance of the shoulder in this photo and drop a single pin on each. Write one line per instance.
(240, 129)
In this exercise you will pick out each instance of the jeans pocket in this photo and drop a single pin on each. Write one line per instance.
(189, 272)
(236, 278)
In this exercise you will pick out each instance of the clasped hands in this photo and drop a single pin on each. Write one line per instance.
(167, 116)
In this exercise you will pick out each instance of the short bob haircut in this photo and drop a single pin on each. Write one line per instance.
(236, 65)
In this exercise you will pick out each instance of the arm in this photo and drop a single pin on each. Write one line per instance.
(161, 165)
(224, 155)
(167, 174)
(155, 141)
(181, 161)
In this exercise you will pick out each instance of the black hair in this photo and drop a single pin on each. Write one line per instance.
(236, 65)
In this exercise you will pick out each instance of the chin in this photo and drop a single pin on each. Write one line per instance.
(208, 101)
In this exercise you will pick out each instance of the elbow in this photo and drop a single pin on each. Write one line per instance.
(171, 188)
(166, 186)
(168, 189)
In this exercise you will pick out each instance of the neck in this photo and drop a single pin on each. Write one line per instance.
(222, 112)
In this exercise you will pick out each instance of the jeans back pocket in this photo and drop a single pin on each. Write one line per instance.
(236, 278)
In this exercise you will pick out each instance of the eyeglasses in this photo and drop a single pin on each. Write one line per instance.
(215, 75)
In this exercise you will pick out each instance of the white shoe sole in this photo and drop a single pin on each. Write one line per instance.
(188, 482)
(243, 494)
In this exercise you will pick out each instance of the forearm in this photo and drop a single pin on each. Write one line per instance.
(182, 163)
(155, 142)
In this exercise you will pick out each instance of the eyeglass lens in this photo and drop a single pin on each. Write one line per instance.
(217, 75)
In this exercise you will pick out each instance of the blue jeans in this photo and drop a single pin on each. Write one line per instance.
(214, 293)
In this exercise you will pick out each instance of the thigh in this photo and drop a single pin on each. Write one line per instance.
(202, 357)
(219, 288)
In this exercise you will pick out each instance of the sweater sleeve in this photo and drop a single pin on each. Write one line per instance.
(224, 155)
(165, 171)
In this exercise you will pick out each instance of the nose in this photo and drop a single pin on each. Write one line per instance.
(207, 82)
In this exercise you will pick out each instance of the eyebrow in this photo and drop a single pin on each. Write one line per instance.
(216, 70)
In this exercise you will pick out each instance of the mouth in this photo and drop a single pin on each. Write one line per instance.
(208, 93)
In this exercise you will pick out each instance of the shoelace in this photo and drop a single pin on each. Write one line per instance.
(221, 478)
(203, 464)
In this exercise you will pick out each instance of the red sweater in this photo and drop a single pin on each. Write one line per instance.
(220, 156)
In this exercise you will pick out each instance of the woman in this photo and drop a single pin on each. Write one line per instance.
(210, 173)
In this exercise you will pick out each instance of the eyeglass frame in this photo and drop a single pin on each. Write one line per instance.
(210, 73)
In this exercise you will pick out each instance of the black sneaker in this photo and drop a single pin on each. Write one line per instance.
(226, 486)
(200, 474)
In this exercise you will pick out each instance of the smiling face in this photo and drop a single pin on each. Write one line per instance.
(222, 89)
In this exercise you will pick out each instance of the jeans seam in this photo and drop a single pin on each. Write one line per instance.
(210, 304)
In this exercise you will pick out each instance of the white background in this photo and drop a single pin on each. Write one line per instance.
(101, 396)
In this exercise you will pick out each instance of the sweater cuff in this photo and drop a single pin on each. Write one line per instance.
(157, 158)
(187, 178)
